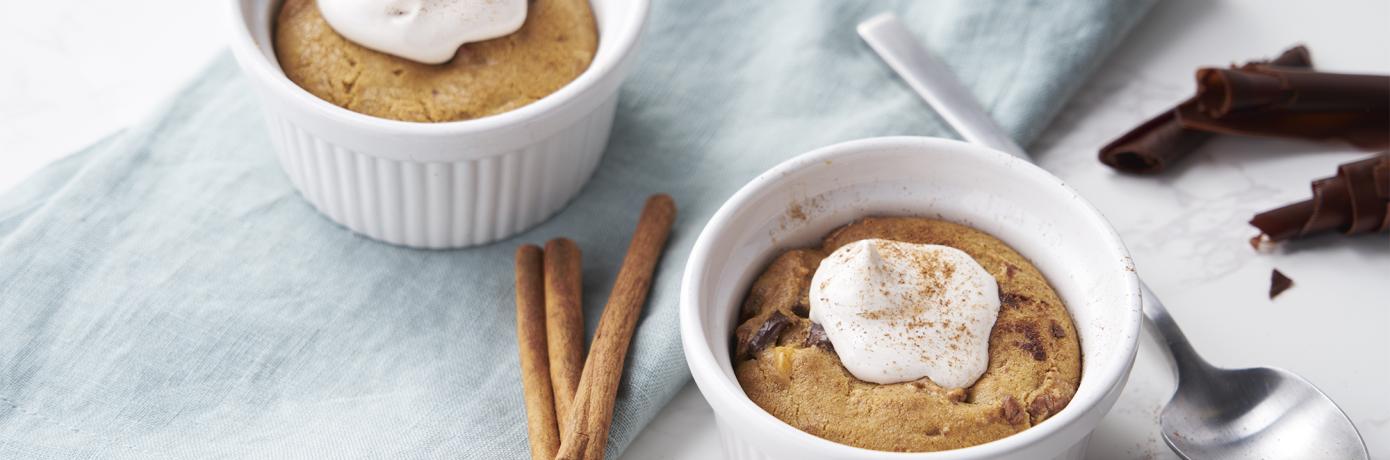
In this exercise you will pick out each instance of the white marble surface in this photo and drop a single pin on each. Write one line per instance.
(111, 66)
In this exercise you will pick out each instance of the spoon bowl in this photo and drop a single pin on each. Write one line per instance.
(1258, 412)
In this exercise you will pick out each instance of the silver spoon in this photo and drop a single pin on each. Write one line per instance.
(1214, 413)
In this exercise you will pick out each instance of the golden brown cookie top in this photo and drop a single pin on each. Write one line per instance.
(788, 368)
(555, 45)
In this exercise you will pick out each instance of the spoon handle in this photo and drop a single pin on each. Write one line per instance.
(935, 84)
(1185, 359)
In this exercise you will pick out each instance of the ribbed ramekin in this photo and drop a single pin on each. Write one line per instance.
(798, 202)
(441, 185)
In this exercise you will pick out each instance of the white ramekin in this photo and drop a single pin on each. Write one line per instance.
(801, 200)
(441, 185)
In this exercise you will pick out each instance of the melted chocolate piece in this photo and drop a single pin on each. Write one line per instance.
(801, 309)
(815, 337)
(1163, 140)
(766, 335)
(1355, 201)
(1045, 405)
(1011, 411)
(1033, 347)
(1278, 283)
(1012, 300)
(1032, 343)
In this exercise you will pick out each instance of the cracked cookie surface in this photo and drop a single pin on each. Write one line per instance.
(785, 366)
(555, 44)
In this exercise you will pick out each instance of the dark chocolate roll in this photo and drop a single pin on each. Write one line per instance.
(1355, 201)
(1292, 103)
(1162, 140)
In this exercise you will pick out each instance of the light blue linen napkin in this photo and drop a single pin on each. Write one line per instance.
(167, 294)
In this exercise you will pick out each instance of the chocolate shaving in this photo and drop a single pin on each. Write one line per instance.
(767, 333)
(815, 337)
(1292, 103)
(1278, 283)
(1355, 201)
(1162, 140)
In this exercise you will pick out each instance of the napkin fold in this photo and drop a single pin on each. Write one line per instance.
(166, 292)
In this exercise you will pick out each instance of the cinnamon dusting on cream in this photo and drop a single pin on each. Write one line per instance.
(898, 312)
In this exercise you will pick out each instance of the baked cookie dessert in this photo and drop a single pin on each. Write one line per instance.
(890, 337)
(553, 46)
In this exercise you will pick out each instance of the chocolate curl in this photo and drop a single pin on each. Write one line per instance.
(1356, 200)
(1162, 140)
(1292, 103)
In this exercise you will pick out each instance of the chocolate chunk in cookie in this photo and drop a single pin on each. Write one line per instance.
(815, 337)
(765, 335)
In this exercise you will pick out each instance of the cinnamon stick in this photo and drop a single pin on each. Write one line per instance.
(592, 411)
(541, 426)
(564, 320)
(1163, 140)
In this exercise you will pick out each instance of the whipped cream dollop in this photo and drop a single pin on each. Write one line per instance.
(428, 31)
(897, 312)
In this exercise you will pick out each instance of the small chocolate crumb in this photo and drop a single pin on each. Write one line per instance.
(815, 337)
(1009, 271)
(1278, 283)
(766, 334)
(1057, 331)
